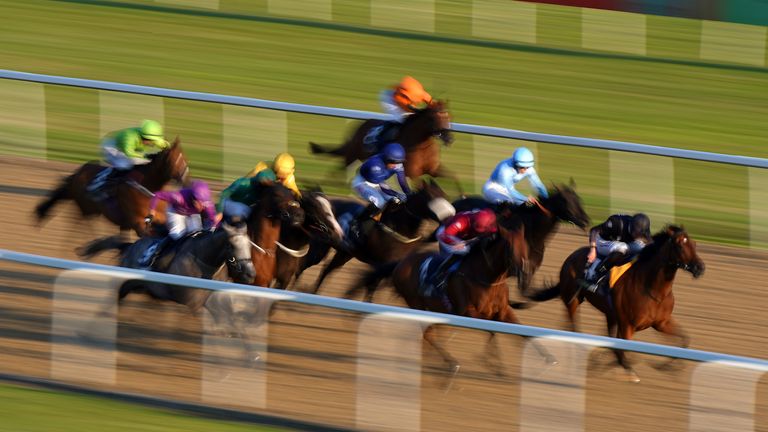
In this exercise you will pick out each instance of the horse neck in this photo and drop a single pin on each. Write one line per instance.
(493, 268)
(155, 175)
(294, 237)
(402, 220)
(417, 128)
(538, 227)
(212, 250)
(264, 231)
(658, 272)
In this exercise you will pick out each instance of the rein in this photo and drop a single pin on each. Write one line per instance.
(292, 252)
(397, 236)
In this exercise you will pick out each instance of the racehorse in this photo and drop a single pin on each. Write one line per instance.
(476, 288)
(197, 256)
(319, 224)
(396, 234)
(540, 221)
(641, 297)
(416, 134)
(128, 207)
(277, 208)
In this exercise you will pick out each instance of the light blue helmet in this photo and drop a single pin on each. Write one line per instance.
(522, 157)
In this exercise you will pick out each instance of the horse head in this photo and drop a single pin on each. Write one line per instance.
(280, 203)
(319, 218)
(429, 201)
(432, 120)
(240, 264)
(565, 204)
(683, 250)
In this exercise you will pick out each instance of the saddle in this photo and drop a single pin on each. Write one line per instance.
(105, 182)
(162, 250)
(380, 135)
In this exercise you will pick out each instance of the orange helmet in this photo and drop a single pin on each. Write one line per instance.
(410, 92)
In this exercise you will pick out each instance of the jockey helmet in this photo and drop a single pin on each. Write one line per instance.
(284, 165)
(374, 171)
(484, 221)
(200, 191)
(152, 130)
(522, 157)
(641, 225)
(394, 153)
(412, 90)
(264, 177)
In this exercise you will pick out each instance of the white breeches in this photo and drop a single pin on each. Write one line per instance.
(118, 159)
(396, 113)
(370, 192)
(497, 193)
(180, 225)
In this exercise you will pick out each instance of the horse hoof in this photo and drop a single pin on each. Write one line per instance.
(629, 376)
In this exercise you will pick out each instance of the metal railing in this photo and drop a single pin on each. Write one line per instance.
(364, 115)
(370, 308)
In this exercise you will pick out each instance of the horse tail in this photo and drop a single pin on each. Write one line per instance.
(315, 148)
(99, 245)
(60, 193)
(545, 294)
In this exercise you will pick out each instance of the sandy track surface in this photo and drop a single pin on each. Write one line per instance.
(312, 357)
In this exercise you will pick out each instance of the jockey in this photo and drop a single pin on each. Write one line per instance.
(244, 192)
(615, 242)
(399, 102)
(186, 209)
(126, 148)
(370, 184)
(456, 236)
(500, 187)
(284, 167)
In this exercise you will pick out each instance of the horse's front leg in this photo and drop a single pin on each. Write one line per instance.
(626, 332)
(339, 259)
(672, 328)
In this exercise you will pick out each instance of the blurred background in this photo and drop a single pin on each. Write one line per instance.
(687, 74)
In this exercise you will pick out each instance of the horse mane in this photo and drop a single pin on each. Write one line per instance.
(659, 240)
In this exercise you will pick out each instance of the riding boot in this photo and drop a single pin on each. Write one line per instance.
(360, 227)
(441, 273)
(155, 251)
(98, 185)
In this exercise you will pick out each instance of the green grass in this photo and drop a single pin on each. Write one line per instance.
(25, 409)
(344, 64)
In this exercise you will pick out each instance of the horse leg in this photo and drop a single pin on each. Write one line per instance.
(339, 259)
(625, 331)
(507, 315)
(571, 308)
(453, 364)
(493, 357)
(223, 315)
(672, 328)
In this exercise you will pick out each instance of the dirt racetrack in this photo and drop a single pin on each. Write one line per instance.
(312, 356)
